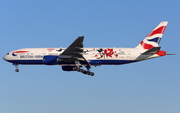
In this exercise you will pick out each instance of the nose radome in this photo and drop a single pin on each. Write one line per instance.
(5, 57)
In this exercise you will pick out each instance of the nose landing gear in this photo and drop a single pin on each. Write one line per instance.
(16, 65)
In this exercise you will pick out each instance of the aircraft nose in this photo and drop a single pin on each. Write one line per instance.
(5, 57)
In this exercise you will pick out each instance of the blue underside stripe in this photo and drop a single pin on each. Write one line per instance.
(113, 62)
(26, 61)
(92, 62)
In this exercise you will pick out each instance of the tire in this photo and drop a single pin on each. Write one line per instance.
(91, 73)
(17, 70)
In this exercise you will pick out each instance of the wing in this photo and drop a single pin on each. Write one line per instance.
(75, 49)
(74, 52)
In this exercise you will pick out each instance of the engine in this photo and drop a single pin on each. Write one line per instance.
(50, 60)
(68, 68)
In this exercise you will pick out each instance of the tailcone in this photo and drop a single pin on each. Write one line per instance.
(161, 53)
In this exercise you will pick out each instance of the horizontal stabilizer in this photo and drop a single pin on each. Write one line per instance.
(153, 50)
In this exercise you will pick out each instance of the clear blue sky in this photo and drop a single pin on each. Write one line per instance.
(151, 86)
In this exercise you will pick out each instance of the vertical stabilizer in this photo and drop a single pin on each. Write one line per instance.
(154, 38)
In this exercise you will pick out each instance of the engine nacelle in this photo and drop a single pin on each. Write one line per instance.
(50, 60)
(68, 68)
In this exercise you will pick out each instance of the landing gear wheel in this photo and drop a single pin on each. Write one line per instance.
(17, 70)
(88, 73)
(85, 72)
(81, 70)
(91, 73)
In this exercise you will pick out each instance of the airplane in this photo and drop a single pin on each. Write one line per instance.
(75, 57)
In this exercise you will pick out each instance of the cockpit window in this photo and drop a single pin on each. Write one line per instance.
(7, 53)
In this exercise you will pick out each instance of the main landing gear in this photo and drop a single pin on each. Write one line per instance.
(16, 65)
(83, 71)
(78, 68)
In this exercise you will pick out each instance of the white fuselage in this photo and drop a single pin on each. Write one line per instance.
(108, 56)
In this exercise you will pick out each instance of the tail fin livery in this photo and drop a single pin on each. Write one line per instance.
(154, 38)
